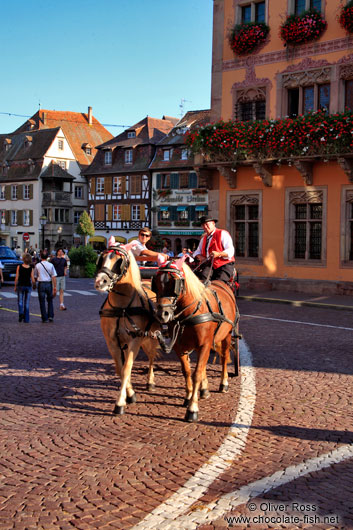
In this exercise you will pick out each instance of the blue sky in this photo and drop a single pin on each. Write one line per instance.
(125, 58)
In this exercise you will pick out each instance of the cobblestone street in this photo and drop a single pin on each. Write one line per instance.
(278, 445)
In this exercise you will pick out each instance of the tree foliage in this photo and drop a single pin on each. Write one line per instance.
(85, 225)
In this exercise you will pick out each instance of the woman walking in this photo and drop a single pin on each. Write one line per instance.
(23, 285)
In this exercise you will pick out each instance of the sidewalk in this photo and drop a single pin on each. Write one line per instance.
(298, 299)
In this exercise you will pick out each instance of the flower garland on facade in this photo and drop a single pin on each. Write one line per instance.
(312, 134)
(300, 29)
(346, 17)
(244, 38)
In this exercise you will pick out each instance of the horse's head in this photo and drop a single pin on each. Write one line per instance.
(111, 266)
(169, 285)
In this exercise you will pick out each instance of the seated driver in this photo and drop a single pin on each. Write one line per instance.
(216, 244)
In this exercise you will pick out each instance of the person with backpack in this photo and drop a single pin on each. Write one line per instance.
(60, 264)
(45, 275)
(23, 286)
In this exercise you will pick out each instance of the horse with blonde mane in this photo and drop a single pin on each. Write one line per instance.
(127, 319)
(198, 318)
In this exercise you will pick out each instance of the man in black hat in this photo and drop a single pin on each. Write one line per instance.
(216, 250)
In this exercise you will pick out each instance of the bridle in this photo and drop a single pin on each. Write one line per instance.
(113, 274)
(179, 284)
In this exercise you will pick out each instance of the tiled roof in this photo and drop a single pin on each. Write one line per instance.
(76, 128)
(148, 131)
(55, 171)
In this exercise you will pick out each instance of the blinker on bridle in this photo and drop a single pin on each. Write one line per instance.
(179, 284)
(113, 274)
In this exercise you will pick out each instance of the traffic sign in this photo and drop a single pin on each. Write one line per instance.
(26, 236)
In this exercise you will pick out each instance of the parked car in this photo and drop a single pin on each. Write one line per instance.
(10, 262)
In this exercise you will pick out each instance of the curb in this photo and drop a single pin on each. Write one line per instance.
(295, 303)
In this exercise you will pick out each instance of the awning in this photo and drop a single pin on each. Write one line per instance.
(164, 208)
(181, 232)
(200, 208)
(120, 239)
(100, 239)
(181, 208)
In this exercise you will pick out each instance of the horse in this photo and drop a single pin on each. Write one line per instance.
(198, 317)
(126, 317)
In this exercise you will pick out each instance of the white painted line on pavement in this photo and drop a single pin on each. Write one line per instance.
(298, 322)
(232, 446)
(85, 293)
(7, 294)
(228, 502)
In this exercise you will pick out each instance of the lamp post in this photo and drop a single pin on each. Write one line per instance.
(43, 221)
(60, 229)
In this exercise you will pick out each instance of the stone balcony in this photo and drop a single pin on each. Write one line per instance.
(56, 198)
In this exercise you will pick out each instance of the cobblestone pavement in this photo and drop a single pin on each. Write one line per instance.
(66, 462)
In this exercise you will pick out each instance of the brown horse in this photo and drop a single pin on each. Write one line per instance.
(198, 317)
(126, 317)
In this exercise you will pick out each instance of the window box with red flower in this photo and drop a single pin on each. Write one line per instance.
(164, 192)
(199, 191)
(245, 38)
(300, 29)
(346, 17)
(164, 223)
(184, 222)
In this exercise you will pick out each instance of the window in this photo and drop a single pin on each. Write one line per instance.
(135, 212)
(165, 214)
(61, 163)
(251, 110)
(78, 192)
(183, 215)
(184, 154)
(252, 12)
(166, 180)
(303, 5)
(14, 217)
(88, 150)
(100, 185)
(128, 156)
(347, 226)
(348, 100)
(184, 180)
(26, 218)
(2, 192)
(166, 155)
(61, 215)
(77, 216)
(306, 225)
(302, 100)
(61, 145)
(14, 192)
(107, 158)
(116, 212)
(26, 191)
(245, 210)
(117, 185)
(131, 134)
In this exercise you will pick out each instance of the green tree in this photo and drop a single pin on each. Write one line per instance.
(85, 226)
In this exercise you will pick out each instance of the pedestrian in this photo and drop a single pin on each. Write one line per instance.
(140, 251)
(187, 253)
(216, 251)
(45, 274)
(1, 274)
(60, 265)
(23, 286)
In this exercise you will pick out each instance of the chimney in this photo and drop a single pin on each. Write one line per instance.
(44, 118)
(90, 115)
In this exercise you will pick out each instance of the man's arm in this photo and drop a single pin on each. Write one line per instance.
(228, 246)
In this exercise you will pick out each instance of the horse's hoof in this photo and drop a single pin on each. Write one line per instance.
(186, 402)
(223, 388)
(118, 410)
(191, 417)
(151, 387)
(131, 399)
(204, 393)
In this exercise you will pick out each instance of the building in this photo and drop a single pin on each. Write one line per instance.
(41, 181)
(283, 165)
(120, 182)
(179, 195)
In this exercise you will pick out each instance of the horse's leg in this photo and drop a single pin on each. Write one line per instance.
(127, 394)
(225, 357)
(185, 367)
(150, 346)
(204, 392)
(202, 358)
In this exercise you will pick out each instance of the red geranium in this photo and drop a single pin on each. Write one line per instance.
(300, 29)
(244, 38)
(346, 17)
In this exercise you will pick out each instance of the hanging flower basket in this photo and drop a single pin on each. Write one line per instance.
(346, 17)
(303, 28)
(244, 38)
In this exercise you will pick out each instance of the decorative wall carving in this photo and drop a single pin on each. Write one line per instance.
(306, 77)
(306, 171)
(347, 166)
(265, 172)
(296, 197)
(346, 71)
(229, 174)
(245, 199)
(305, 64)
(349, 196)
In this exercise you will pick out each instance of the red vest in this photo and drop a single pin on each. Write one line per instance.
(215, 244)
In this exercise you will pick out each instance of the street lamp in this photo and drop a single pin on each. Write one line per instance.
(43, 221)
(60, 229)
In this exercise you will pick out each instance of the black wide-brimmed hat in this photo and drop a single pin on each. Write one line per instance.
(204, 219)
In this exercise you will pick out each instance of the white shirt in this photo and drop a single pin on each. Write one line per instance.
(226, 240)
(43, 271)
(138, 247)
(1, 265)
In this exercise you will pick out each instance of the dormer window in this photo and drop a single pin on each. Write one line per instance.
(166, 155)
(28, 141)
(128, 156)
(131, 134)
(61, 144)
(30, 165)
(7, 143)
(5, 168)
(108, 158)
(184, 154)
(87, 148)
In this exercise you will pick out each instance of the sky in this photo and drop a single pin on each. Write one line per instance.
(125, 58)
